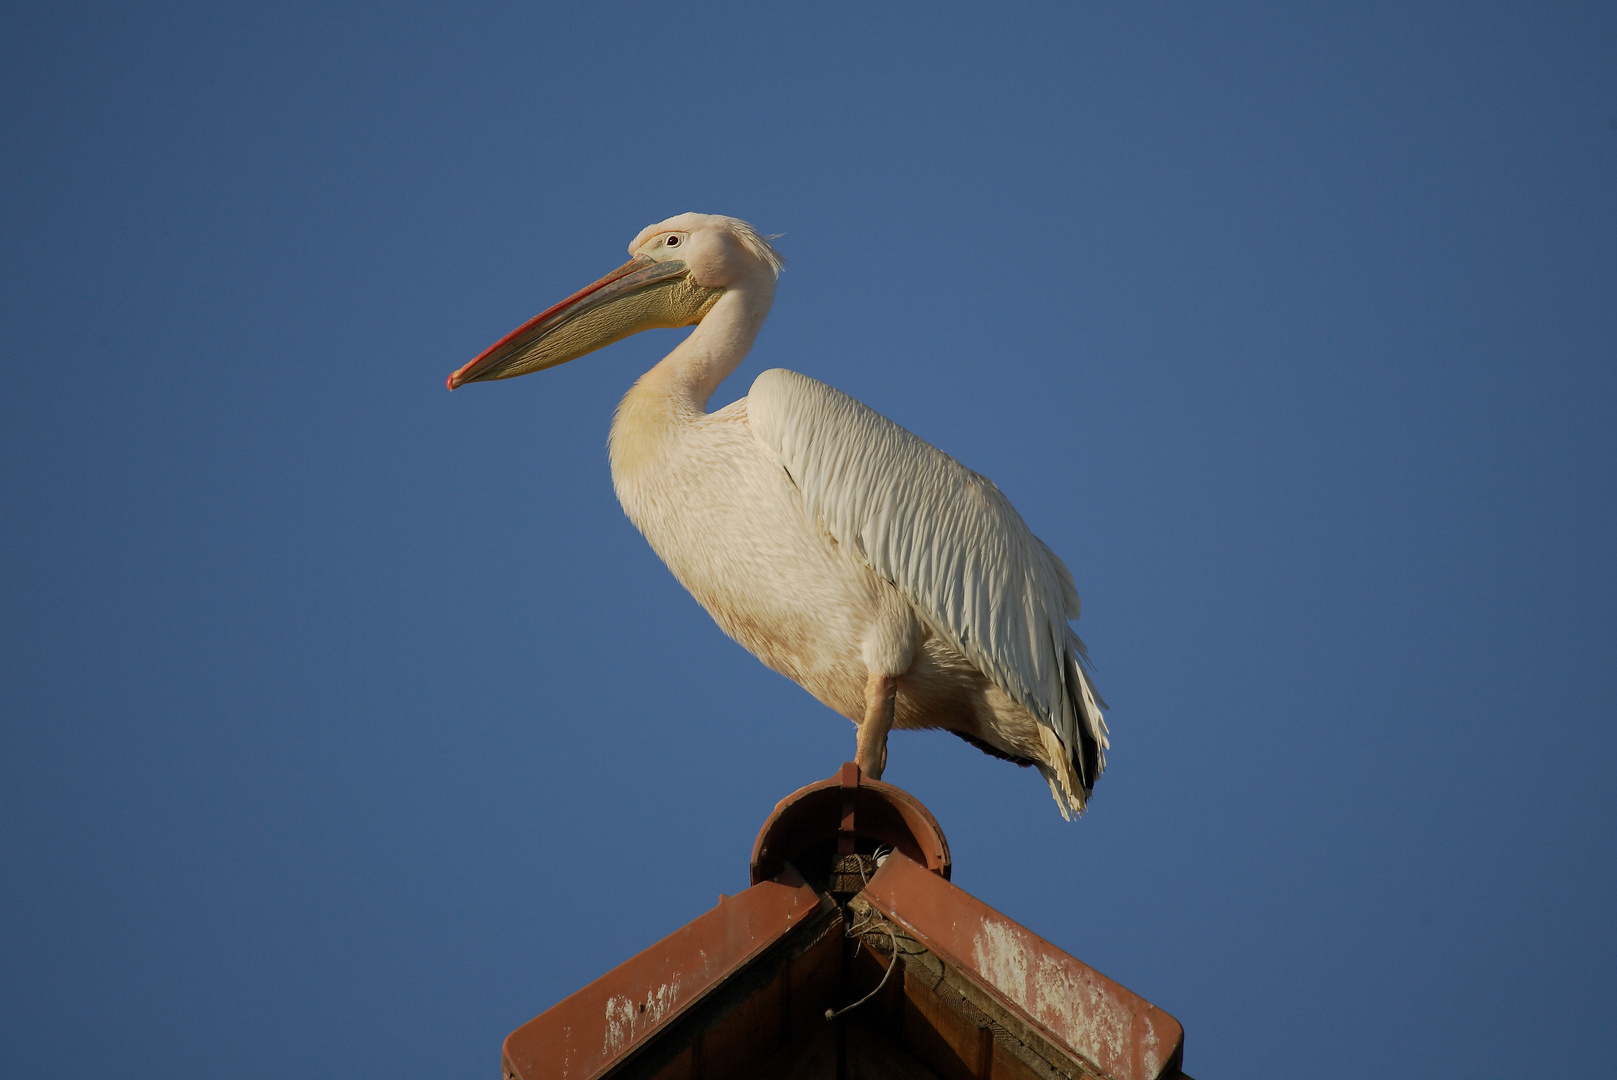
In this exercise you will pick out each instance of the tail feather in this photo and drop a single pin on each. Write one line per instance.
(1073, 770)
(1066, 787)
(1093, 741)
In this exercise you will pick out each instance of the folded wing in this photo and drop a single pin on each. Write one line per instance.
(947, 539)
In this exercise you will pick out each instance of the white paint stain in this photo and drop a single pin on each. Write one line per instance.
(1002, 957)
(1065, 999)
(627, 1020)
(1078, 1009)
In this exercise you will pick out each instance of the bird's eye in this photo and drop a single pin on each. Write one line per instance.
(672, 241)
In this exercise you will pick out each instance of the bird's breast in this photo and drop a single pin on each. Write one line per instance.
(726, 519)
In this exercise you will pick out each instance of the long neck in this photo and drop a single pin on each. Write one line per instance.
(677, 390)
(689, 375)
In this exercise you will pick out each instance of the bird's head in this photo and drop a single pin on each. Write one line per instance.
(677, 271)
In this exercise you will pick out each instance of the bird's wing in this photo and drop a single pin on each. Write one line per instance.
(947, 539)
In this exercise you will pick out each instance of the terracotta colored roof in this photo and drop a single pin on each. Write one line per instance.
(856, 918)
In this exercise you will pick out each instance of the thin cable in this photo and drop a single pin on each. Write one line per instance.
(832, 1014)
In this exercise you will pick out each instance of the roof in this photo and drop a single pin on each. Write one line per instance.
(862, 960)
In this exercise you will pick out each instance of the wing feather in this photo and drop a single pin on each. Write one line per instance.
(947, 539)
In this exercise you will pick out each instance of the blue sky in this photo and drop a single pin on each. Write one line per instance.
(346, 724)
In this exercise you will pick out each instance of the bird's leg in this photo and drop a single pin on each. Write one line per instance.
(881, 693)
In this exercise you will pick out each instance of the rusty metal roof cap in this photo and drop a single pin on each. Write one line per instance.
(845, 803)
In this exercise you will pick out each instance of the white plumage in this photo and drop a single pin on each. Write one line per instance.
(890, 581)
(941, 534)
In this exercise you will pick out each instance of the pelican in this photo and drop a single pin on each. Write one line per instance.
(897, 586)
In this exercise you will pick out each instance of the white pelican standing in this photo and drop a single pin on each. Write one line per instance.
(881, 575)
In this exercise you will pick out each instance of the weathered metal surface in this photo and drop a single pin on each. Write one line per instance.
(585, 1034)
(1121, 1034)
(847, 811)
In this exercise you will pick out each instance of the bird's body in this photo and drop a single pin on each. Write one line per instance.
(730, 526)
(892, 583)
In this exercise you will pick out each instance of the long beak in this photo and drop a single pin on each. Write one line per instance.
(639, 295)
